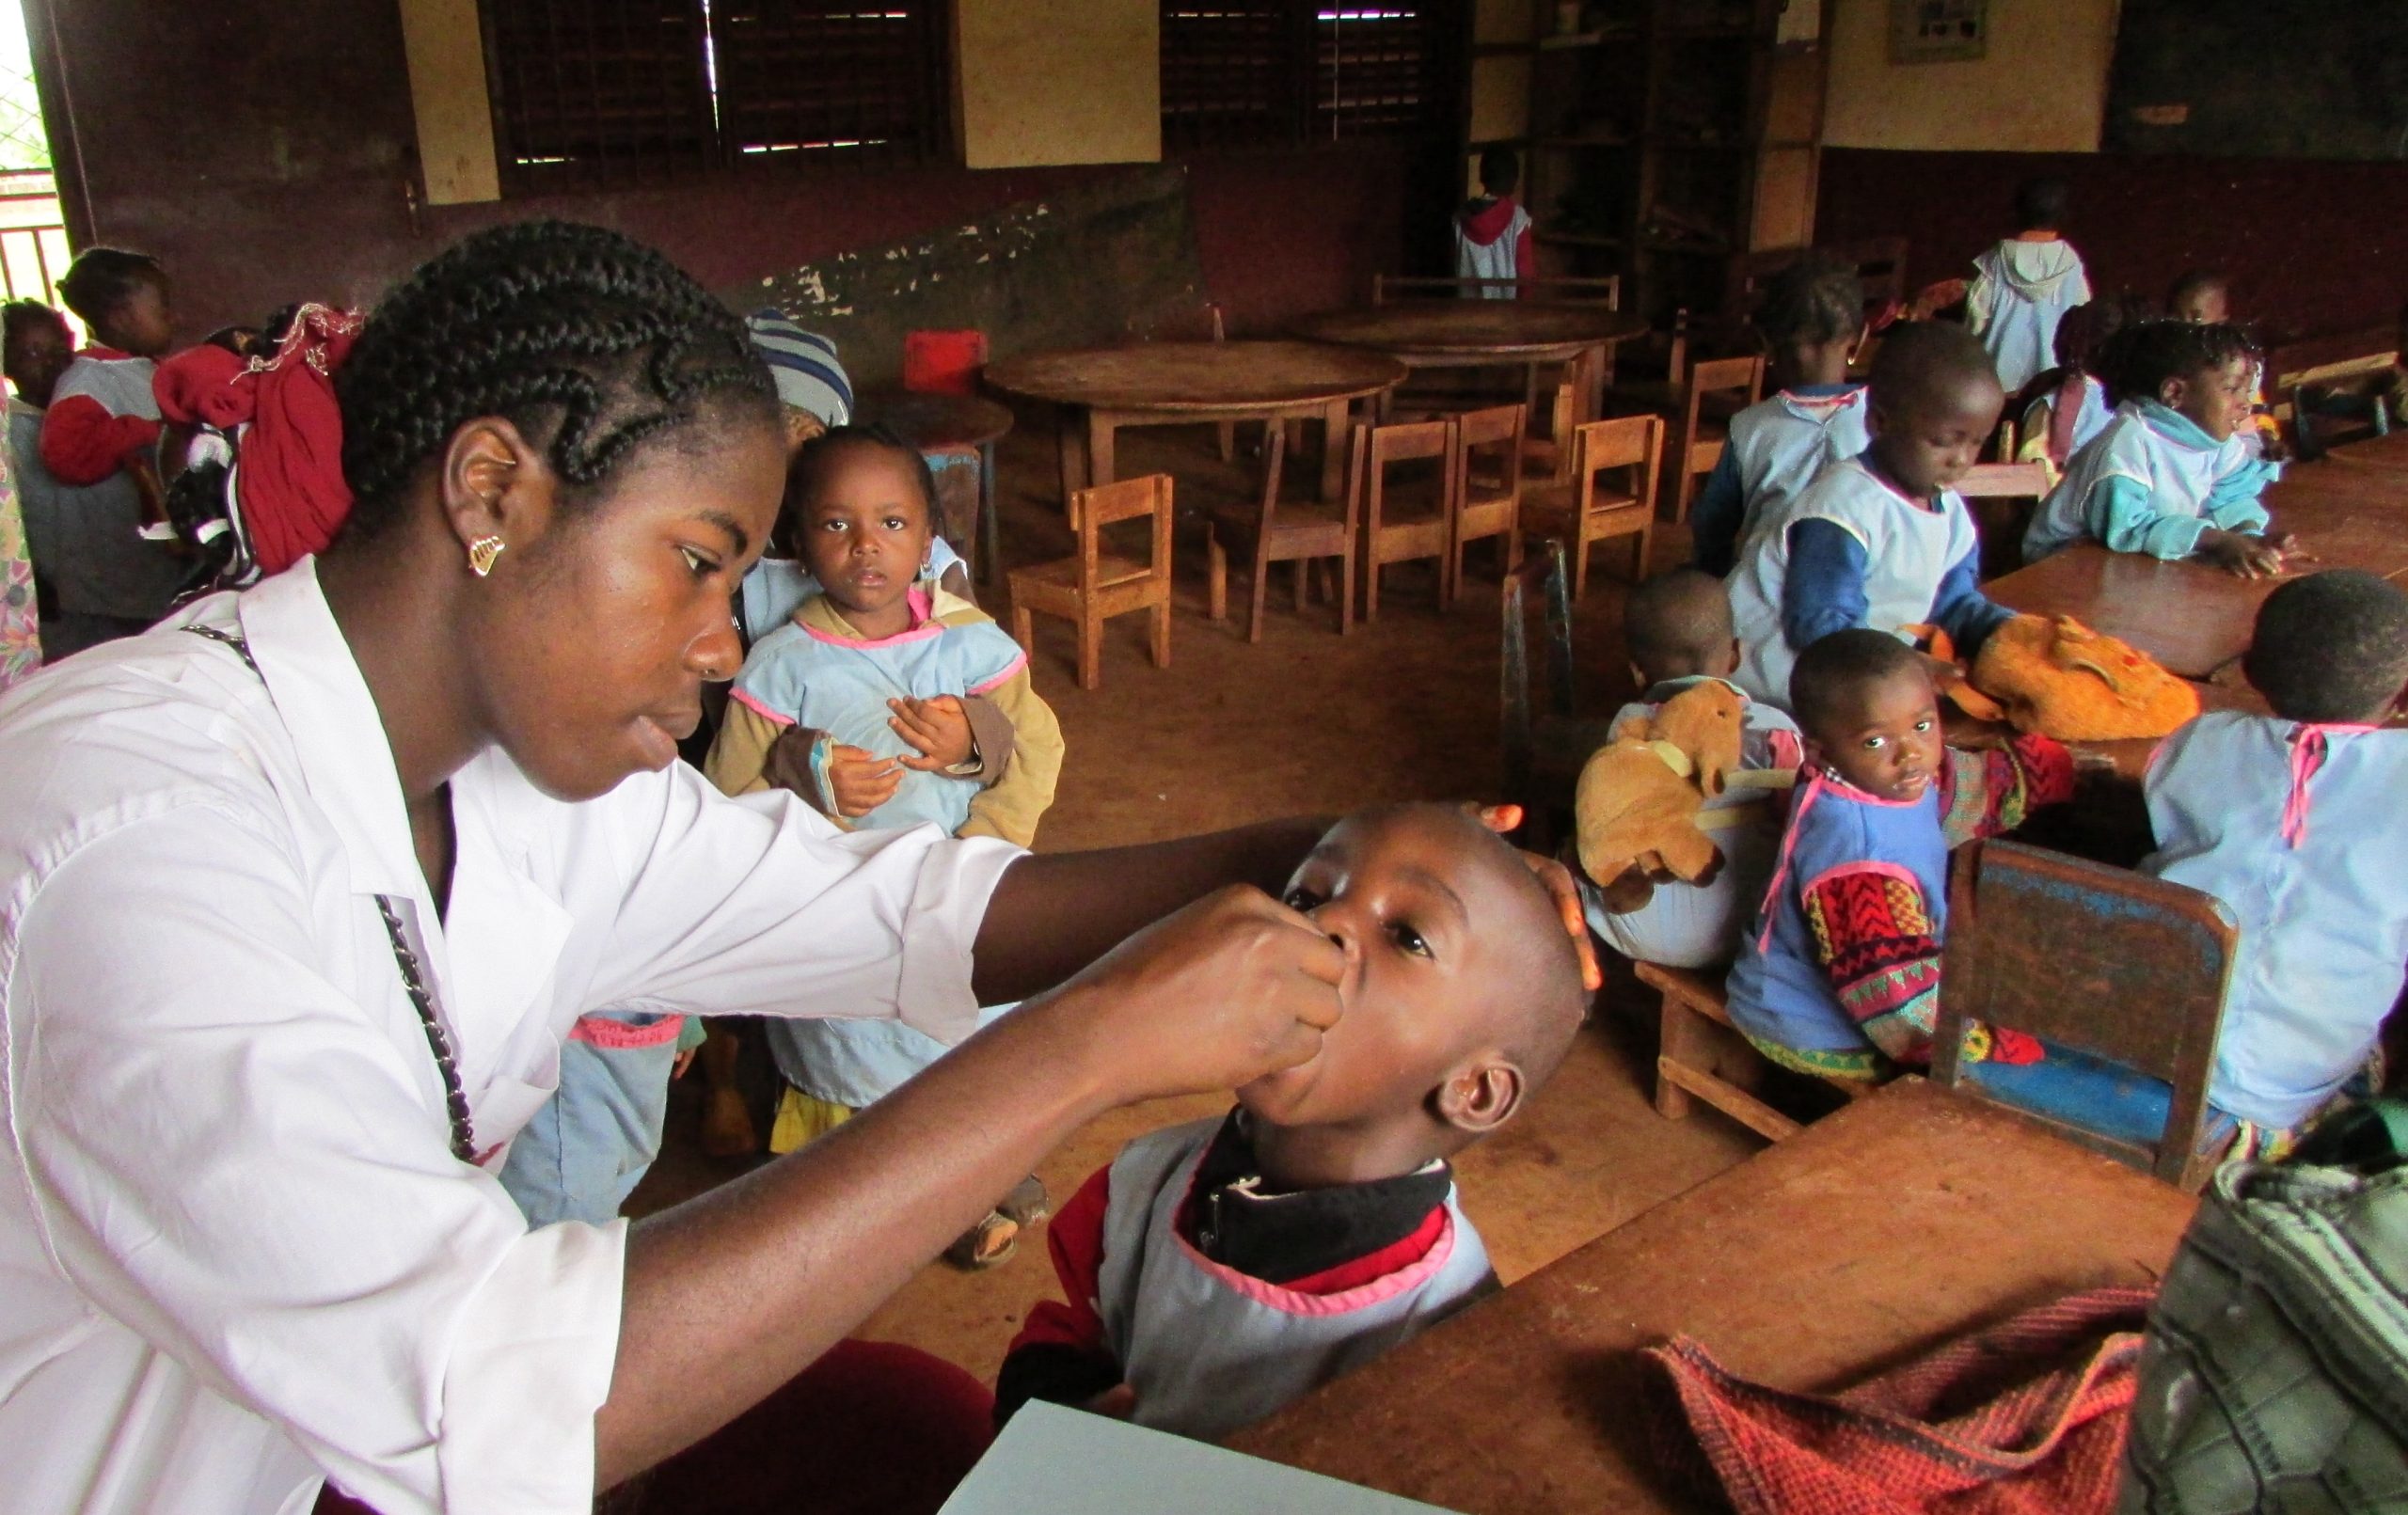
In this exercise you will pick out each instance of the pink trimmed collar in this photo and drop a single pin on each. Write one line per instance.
(922, 628)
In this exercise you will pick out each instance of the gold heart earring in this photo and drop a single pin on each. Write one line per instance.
(481, 553)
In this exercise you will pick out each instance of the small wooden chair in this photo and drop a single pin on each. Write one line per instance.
(1718, 390)
(1685, 1063)
(1488, 489)
(2002, 497)
(2109, 962)
(1582, 513)
(1390, 535)
(1304, 533)
(1094, 586)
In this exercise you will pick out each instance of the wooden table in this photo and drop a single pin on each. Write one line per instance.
(1908, 1217)
(1489, 332)
(2386, 453)
(1163, 384)
(930, 422)
(2195, 619)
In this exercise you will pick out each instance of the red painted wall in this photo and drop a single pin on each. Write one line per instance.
(264, 149)
(2312, 246)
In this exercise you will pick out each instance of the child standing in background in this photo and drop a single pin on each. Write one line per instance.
(100, 438)
(1492, 230)
(2168, 477)
(1216, 1271)
(812, 712)
(1839, 975)
(1811, 322)
(2024, 285)
(1677, 627)
(1880, 540)
(2293, 820)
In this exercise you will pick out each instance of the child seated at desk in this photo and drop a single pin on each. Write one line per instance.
(2168, 477)
(2203, 296)
(1811, 322)
(1677, 627)
(1839, 975)
(1881, 540)
(1217, 1270)
(2064, 408)
(2293, 820)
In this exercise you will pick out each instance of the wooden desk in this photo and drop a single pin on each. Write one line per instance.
(2389, 454)
(1163, 384)
(931, 421)
(2195, 619)
(1489, 332)
(1909, 1216)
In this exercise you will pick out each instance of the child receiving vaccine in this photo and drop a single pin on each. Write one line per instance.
(1839, 975)
(2168, 476)
(1882, 539)
(1677, 629)
(2293, 820)
(812, 712)
(1215, 1271)
(1811, 322)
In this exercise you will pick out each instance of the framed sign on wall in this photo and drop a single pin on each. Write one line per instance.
(1939, 31)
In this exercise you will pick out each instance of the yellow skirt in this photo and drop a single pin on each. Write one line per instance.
(802, 1120)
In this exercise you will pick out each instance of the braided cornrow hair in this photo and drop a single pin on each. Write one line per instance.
(589, 342)
(2135, 362)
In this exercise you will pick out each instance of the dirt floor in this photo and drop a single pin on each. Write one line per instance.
(1304, 722)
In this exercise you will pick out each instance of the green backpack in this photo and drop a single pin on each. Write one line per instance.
(2276, 1373)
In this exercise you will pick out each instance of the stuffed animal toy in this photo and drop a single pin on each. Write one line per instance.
(1639, 794)
(2058, 677)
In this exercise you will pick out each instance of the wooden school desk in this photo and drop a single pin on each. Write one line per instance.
(1910, 1216)
(1166, 383)
(2386, 453)
(1426, 334)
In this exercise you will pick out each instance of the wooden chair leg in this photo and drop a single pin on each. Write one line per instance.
(1090, 648)
(1296, 567)
(1579, 563)
(1676, 1043)
(1372, 566)
(1025, 630)
(1346, 594)
(1216, 592)
(1262, 588)
(1161, 612)
(1228, 441)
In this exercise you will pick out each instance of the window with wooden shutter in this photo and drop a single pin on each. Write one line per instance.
(1287, 73)
(612, 91)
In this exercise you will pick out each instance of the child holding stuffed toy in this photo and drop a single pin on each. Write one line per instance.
(1881, 540)
(1811, 322)
(1839, 974)
(2294, 821)
(1215, 1271)
(2169, 476)
(1677, 628)
(811, 712)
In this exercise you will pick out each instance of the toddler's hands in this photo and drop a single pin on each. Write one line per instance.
(2245, 556)
(859, 783)
(938, 728)
(1557, 881)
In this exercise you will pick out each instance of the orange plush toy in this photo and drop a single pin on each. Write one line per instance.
(1639, 794)
(2058, 677)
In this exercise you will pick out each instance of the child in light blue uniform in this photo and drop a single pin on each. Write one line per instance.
(1677, 628)
(1881, 540)
(862, 509)
(2168, 476)
(2024, 286)
(2294, 821)
(1812, 321)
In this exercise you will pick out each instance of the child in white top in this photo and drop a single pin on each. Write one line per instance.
(2024, 286)
(1492, 230)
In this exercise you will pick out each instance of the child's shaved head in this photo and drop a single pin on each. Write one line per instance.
(2332, 647)
(1922, 360)
(1677, 625)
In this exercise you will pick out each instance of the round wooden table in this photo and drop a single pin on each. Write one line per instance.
(1489, 334)
(1163, 384)
(935, 422)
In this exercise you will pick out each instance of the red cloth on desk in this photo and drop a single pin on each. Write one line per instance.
(2024, 1419)
(289, 461)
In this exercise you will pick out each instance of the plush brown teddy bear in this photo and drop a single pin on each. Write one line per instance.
(1639, 794)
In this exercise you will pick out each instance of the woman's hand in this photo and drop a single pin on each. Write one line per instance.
(938, 728)
(1557, 881)
(1233, 986)
(859, 781)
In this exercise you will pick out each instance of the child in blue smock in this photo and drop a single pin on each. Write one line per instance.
(2296, 821)
(1839, 973)
(1812, 321)
(2024, 285)
(811, 711)
(1880, 540)
(2169, 475)
(2063, 409)
(1677, 628)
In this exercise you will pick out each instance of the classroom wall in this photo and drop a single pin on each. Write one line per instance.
(1050, 81)
(2313, 247)
(2042, 87)
(266, 152)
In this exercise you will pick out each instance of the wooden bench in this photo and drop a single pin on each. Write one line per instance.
(2296, 371)
(1684, 1067)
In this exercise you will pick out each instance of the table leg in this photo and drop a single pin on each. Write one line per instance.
(1101, 425)
(1073, 430)
(1333, 452)
(990, 536)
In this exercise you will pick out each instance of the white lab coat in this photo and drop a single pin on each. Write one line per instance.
(236, 1255)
